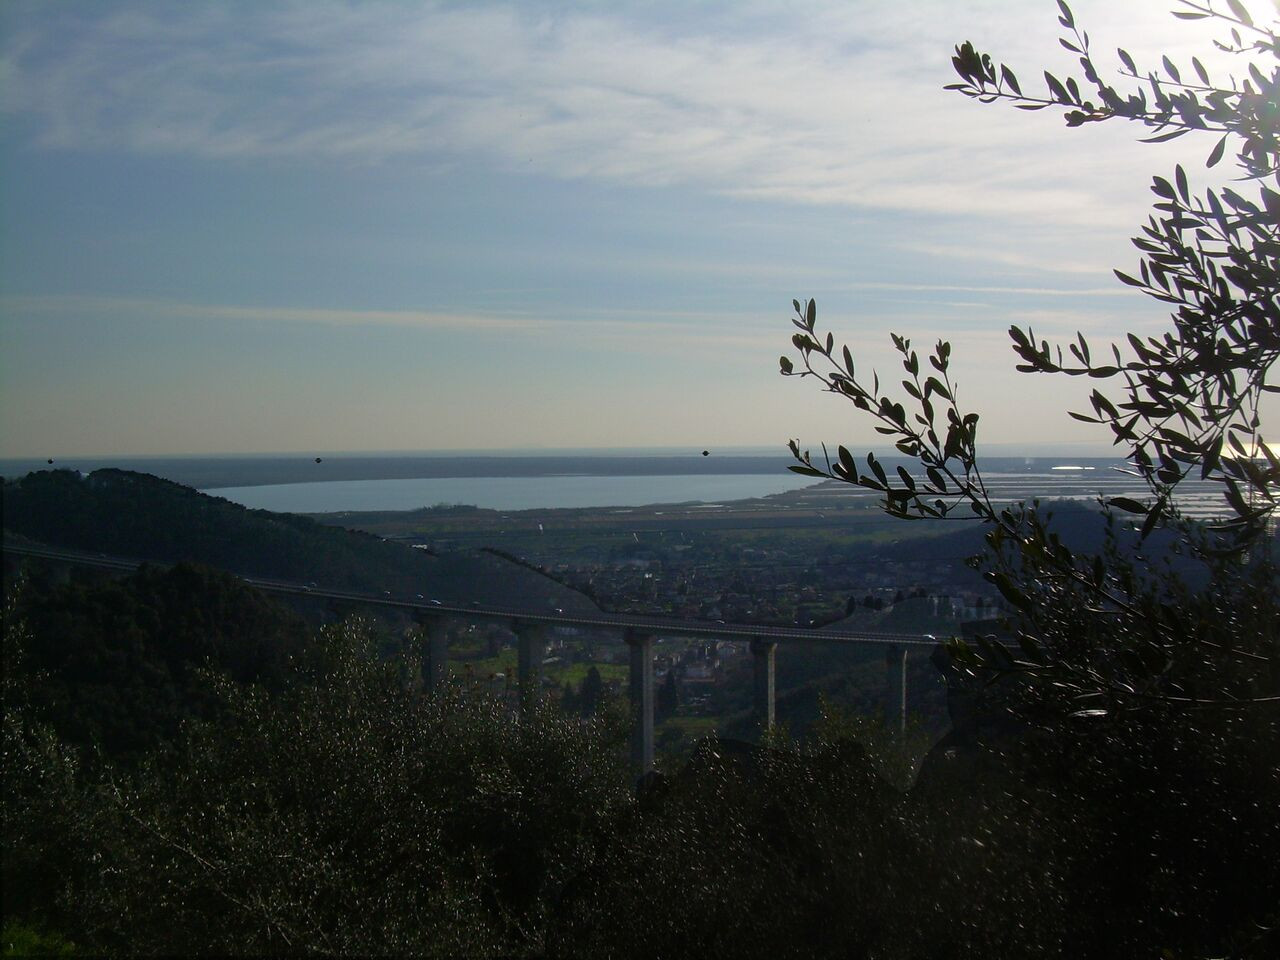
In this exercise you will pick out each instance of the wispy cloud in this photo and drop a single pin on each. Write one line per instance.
(997, 289)
(834, 104)
(117, 307)
(1084, 259)
(653, 331)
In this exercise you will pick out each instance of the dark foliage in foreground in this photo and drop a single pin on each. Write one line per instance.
(345, 812)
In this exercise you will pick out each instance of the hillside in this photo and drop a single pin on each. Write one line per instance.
(136, 515)
(115, 663)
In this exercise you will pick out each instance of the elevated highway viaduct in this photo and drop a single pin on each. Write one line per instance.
(530, 627)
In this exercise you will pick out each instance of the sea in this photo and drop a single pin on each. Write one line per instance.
(508, 493)
(519, 480)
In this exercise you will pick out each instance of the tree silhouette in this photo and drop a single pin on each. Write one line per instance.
(591, 693)
(1100, 632)
(1145, 695)
(668, 696)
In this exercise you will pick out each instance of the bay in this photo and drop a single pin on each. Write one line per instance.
(507, 493)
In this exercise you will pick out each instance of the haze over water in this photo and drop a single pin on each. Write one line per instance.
(508, 493)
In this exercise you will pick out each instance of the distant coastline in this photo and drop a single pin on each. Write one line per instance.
(208, 473)
(362, 482)
(555, 491)
(214, 472)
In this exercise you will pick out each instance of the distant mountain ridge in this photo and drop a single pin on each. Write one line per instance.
(137, 515)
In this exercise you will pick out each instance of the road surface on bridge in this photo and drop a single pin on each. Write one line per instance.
(638, 623)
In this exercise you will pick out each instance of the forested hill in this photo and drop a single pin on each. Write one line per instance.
(114, 663)
(137, 515)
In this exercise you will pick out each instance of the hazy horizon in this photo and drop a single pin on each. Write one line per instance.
(1000, 450)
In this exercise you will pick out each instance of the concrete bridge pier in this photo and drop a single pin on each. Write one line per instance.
(763, 655)
(641, 689)
(433, 645)
(895, 688)
(531, 646)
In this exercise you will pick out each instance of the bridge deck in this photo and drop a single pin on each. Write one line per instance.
(657, 626)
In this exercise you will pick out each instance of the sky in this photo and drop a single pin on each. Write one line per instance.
(315, 226)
